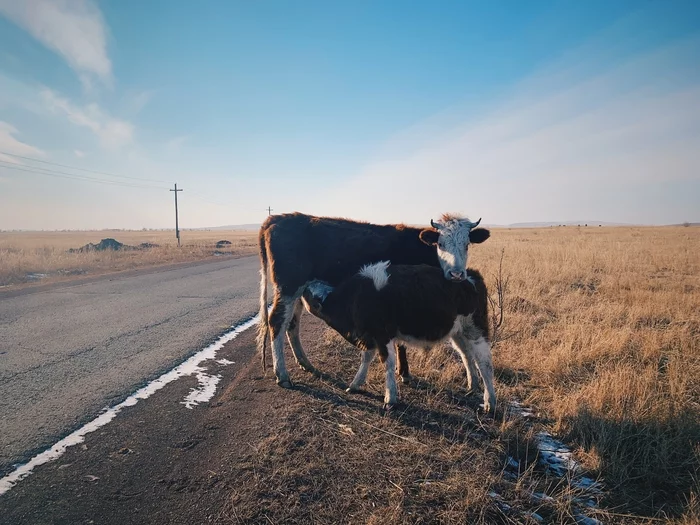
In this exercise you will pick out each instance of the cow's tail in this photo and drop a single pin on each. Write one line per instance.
(264, 325)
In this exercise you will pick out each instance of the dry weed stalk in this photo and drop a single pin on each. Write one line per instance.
(497, 303)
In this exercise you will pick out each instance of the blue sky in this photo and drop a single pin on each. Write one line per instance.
(383, 111)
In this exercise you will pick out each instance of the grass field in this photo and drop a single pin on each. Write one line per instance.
(602, 335)
(30, 257)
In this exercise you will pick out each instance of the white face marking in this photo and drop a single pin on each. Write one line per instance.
(377, 272)
(452, 248)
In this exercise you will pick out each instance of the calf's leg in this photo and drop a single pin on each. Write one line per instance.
(294, 341)
(461, 345)
(361, 375)
(478, 351)
(280, 316)
(481, 350)
(390, 393)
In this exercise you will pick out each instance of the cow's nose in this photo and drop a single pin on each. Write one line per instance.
(457, 276)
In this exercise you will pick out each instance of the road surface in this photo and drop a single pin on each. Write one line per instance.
(66, 352)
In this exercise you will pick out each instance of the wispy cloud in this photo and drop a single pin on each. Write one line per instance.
(135, 101)
(75, 29)
(10, 144)
(175, 144)
(112, 133)
(550, 152)
(79, 154)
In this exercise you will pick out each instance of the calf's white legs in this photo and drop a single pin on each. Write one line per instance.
(468, 361)
(293, 338)
(361, 375)
(481, 350)
(390, 395)
(280, 316)
(477, 351)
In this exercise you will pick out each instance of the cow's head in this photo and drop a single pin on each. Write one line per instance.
(452, 236)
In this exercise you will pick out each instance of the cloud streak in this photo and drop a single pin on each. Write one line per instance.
(547, 153)
(74, 29)
(112, 133)
(9, 143)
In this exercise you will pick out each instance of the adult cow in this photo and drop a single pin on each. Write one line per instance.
(296, 249)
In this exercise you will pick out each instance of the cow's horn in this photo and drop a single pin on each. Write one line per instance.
(475, 224)
(434, 225)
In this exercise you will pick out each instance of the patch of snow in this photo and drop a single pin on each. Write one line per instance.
(556, 457)
(225, 362)
(205, 389)
(189, 367)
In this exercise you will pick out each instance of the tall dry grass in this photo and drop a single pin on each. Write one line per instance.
(27, 257)
(602, 334)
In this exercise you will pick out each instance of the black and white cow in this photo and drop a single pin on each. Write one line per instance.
(384, 304)
(296, 249)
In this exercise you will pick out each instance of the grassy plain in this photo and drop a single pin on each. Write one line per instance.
(600, 338)
(602, 335)
(30, 257)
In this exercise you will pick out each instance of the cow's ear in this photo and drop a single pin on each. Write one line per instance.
(429, 237)
(478, 235)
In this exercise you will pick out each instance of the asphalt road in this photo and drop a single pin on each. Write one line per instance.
(66, 352)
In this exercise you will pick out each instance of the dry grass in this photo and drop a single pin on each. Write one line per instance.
(27, 257)
(604, 325)
(601, 335)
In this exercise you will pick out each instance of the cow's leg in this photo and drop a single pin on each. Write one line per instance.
(403, 363)
(280, 316)
(294, 341)
(390, 394)
(361, 375)
(462, 346)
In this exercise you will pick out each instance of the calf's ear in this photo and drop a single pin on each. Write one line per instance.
(478, 235)
(429, 237)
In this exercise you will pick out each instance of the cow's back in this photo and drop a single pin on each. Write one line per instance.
(304, 247)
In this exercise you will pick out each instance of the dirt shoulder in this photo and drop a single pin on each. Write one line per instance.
(259, 454)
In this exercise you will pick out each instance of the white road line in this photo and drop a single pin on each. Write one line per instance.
(187, 368)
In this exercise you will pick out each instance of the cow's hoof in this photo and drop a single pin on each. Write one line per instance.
(388, 407)
(406, 379)
(487, 409)
(352, 389)
(285, 383)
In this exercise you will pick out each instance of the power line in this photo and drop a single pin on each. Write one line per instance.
(52, 173)
(81, 169)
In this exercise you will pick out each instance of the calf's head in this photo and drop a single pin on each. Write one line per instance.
(452, 237)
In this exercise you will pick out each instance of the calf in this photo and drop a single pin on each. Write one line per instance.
(414, 304)
(296, 249)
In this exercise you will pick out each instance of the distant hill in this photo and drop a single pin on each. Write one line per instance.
(248, 227)
(565, 223)
(255, 227)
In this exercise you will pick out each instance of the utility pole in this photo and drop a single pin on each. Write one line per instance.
(269, 210)
(177, 228)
